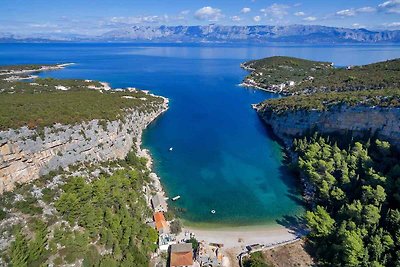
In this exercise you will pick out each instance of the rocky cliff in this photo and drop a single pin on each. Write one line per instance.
(27, 154)
(384, 123)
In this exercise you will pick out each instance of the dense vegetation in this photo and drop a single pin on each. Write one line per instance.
(92, 214)
(255, 259)
(313, 76)
(324, 101)
(44, 102)
(97, 219)
(356, 216)
(354, 187)
(27, 67)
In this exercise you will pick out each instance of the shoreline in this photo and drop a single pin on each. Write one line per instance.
(238, 238)
(234, 238)
(142, 152)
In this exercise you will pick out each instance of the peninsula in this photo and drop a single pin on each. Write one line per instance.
(75, 186)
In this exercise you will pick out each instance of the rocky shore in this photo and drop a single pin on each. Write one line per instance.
(142, 152)
(358, 121)
(27, 154)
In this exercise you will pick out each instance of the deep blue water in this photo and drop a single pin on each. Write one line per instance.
(223, 157)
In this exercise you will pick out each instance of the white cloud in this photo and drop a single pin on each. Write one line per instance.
(257, 19)
(245, 10)
(310, 19)
(392, 25)
(353, 12)
(43, 25)
(346, 13)
(276, 10)
(139, 19)
(185, 12)
(208, 13)
(391, 6)
(236, 18)
(299, 14)
(358, 25)
(366, 9)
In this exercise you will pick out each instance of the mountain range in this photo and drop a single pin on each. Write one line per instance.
(221, 34)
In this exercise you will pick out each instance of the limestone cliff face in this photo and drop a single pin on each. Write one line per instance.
(25, 155)
(383, 122)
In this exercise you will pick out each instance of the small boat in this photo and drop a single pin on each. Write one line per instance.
(213, 211)
(171, 148)
(176, 198)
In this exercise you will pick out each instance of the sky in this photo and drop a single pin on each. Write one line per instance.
(98, 16)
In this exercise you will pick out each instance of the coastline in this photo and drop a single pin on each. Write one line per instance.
(240, 237)
(142, 152)
(235, 239)
(229, 236)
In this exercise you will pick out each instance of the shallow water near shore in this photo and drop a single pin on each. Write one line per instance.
(223, 158)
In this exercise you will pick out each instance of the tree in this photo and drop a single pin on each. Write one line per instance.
(256, 259)
(91, 258)
(91, 218)
(19, 251)
(353, 248)
(368, 232)
(176, 227)
(354, 211)
(109, 239)
(373, 196)
(37, 247)
(117, 253)
(320, 222)
(371, 215)
(108, 261)
(194, 242)
(68, 205)
(337, 194)
(383, 147)
(128, 261)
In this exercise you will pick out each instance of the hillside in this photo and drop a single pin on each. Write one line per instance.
(71, 178)
(360, 100)
(47, 124)
(341, 129)
(45, 102)
(293, 76)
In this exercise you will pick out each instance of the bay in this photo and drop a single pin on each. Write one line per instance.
(224, 158)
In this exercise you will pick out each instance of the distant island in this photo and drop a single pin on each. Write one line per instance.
(341, 129)
(260, 34)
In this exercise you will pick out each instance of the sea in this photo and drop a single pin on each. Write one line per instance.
(223, 157)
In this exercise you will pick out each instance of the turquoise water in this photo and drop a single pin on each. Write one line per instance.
(224, 158)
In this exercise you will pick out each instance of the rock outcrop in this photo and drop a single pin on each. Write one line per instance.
(26, 154)
(384, 123)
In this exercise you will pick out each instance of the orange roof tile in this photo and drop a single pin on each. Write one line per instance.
(160, 220)
(181, 258)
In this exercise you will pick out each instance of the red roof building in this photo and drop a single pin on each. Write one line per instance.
(181, 255)
(161, 223)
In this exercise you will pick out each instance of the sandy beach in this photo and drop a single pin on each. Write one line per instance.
(236, 239)
(240, 237)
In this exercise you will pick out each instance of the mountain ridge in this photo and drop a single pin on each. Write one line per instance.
(222, 34)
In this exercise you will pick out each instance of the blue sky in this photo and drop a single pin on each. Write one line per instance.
(95, 17)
